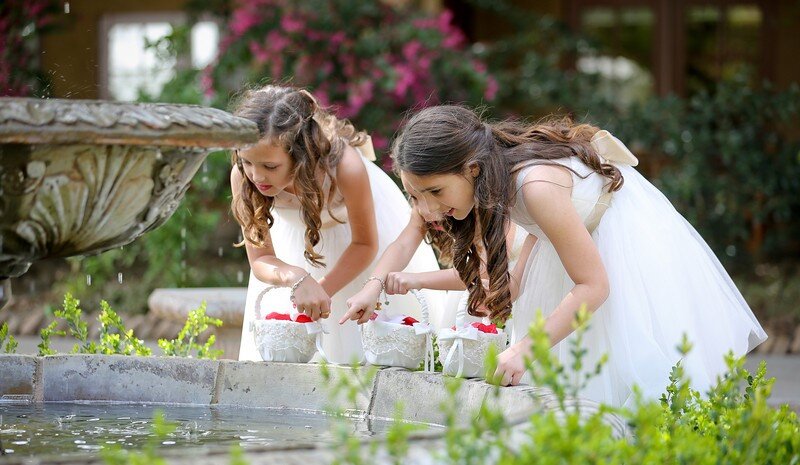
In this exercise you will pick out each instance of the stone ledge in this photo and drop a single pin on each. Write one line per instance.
(280, 385)
(128, 379)
(18, 374)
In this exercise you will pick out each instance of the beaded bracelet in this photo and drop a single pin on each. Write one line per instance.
(383, 290)
(294, 288)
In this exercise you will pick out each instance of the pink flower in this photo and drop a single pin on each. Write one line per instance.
(241, 21)
(411, 50)
(260, 54)
(276, 42)
(291, 23)
(491, 88)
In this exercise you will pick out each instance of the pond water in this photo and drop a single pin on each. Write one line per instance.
(86, 428)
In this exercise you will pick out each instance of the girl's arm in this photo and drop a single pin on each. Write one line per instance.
(549, 204)
(439, 280)
(310, 297)
(353, 182)
(396, 257)
(448, 280)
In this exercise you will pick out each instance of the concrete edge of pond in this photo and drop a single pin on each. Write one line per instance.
(186, 381)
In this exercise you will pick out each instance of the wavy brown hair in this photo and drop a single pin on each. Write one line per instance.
(314, 139)
(445, 139)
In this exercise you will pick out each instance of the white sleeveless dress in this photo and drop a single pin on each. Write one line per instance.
(664, 281)
(342, 344)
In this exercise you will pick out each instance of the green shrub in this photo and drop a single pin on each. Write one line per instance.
(10, 344)
(116, 339)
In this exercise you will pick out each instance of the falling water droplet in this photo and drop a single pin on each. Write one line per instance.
(88, 280)
(219, 251)
(239, 276)
(183, 233)
(66, 7)
(119, 277)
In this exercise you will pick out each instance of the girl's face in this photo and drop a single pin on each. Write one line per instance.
(442, 194)
(268, 166)
(420, 206)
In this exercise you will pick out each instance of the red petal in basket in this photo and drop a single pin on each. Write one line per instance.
(491, 328)
(278, 316)
(409, 321)
(303, 318)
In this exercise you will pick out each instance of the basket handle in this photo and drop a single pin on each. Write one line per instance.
(461, 310)
(423, 303)
(259, 297)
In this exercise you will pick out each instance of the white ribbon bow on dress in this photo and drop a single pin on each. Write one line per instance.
(611, 149)
(458, 336)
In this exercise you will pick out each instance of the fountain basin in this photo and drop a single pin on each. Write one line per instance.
(282, 387)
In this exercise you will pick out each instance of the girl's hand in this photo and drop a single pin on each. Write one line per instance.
(511, 364)
(362, 305)
(310, 298)
(401, 283)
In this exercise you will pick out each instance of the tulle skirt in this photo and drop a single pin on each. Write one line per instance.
(664, 282)
(342, 344)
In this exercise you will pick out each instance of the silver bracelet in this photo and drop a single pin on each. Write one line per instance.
(383, 290)
(295, 286)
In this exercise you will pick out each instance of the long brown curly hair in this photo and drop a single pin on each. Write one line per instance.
(314, 139)
(444, 139)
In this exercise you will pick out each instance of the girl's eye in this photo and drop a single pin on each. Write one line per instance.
(269, 168)
(245, 162)
(435, 192)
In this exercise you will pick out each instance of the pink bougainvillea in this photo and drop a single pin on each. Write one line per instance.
(368, 61)
(21, 23)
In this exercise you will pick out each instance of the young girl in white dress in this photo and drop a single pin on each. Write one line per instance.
(315, 212)
(606, 238)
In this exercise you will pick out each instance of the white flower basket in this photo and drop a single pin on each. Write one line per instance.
(462, 351)
(285, 341)
(388, 343)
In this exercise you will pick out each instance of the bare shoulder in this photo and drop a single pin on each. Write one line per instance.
(549, 174)
(547, 188)
(351, 167)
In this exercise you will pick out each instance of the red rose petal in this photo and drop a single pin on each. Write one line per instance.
(409, 321)
(278, 316)
(490, 328)
(303, 318)
(373, 316)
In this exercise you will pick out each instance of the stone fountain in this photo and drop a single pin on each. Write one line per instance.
(80, 177)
